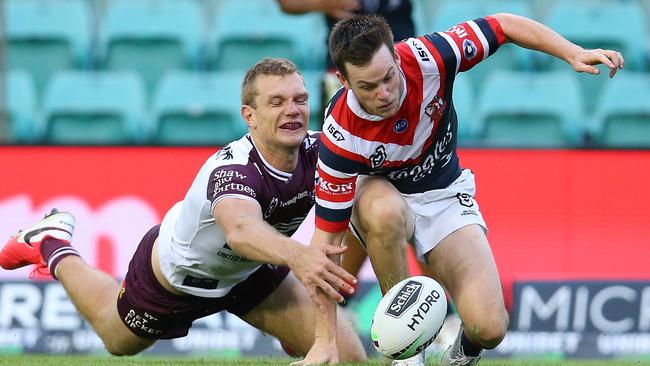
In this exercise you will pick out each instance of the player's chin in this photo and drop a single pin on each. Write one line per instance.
(386, 113)
(292, 137)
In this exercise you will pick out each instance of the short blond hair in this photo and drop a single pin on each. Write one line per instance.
(267, 66)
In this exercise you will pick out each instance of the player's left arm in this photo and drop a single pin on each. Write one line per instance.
(324, 349)
(536, 36)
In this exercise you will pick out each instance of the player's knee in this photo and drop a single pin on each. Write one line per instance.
(492, 330)
(118, 348)
(387, 218)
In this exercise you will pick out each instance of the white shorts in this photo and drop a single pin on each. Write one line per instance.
(440, 212)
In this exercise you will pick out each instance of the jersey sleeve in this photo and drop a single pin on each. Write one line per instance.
(466, 44)
(231, 181)
(335, 188)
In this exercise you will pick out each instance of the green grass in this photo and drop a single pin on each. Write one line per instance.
(25, 360)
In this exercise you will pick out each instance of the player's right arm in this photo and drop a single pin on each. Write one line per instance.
(249, 235)
(536, 36)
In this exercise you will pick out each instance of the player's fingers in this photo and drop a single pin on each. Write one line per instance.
(621, 60)
(614, 57)
(342, 273)
(334, 249)
(339, 284)
(583, 67)
(612, 72)
(603, 59)
(329, 291)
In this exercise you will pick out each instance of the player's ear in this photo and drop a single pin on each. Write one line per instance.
(397, 58)
(341, 78)
(247, 114)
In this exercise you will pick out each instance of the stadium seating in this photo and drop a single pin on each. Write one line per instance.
(94, 108)
(464, 103)
(617, 25)
(151, 37)
(245, 32)
(622, 117)
(198, 108)
(521, 109)
(508, 57)
(313, 83)
(21, 107)
(45, 36)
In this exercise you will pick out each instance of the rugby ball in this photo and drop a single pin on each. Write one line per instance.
(409, 317)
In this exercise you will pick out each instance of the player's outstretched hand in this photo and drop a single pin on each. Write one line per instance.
(321, 353)
(312, 266)
(585, 61)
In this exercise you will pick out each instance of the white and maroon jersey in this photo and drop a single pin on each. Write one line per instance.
(415, 149)
(194, 255)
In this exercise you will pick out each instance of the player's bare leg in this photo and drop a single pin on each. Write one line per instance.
(464, 264)
(94, 293)
(288, 313)
(385, 222)
(47, 245)
(354, 256)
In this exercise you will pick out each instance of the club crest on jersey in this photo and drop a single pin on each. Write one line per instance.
(378, 157)
(400, 125)
(469, 49)
(434, 109)
(465, 199)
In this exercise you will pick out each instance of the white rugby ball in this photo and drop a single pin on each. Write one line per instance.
(409, 317)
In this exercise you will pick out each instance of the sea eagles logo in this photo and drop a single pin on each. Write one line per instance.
(225, 153)
(378, 157)
(469, 49)
(435, 108)
(400, 125)
(404, 299)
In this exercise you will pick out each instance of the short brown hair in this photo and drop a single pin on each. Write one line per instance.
(357, 39)
(267, 66)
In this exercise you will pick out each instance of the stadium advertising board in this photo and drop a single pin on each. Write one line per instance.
(552, 215)
(38, 317)
(580, 319)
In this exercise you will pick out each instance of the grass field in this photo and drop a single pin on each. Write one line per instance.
(179, 361)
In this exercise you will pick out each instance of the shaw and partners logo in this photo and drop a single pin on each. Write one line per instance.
(404, 299)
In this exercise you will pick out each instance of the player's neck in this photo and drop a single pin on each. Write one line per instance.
(283, 159)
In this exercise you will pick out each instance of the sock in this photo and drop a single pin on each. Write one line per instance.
(469, 349)
(54, 250)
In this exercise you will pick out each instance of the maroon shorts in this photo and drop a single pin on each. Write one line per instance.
(151, 311)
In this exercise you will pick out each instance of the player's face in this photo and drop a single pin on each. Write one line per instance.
(281, 115)
(378, 85)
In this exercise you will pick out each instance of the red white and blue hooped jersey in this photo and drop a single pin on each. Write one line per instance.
(415, 149)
